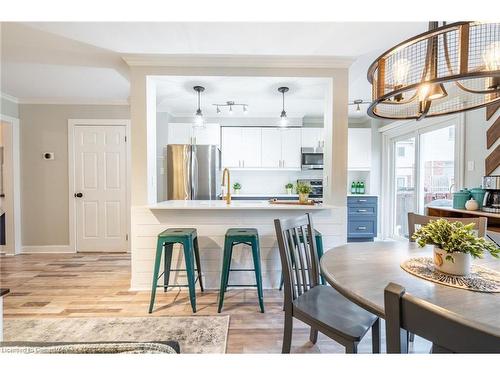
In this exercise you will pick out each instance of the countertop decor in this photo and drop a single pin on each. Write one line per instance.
(480, 279)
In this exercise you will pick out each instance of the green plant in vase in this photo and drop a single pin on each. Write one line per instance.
(455, 244)
(289, 188)
(236, 187)
(303, 190)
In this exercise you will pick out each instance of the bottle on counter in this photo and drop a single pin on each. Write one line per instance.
(353, 188)
(358, 187)
(361, 188)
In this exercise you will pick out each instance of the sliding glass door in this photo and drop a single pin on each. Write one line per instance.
(423, 165)
(404, 183)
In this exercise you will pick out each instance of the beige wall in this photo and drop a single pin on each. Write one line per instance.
(44, 184)
(475, 145)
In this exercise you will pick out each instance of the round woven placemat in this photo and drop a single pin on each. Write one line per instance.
(481, 279)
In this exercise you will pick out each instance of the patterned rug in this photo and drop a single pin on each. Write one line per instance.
(195, 334)
(481, 279)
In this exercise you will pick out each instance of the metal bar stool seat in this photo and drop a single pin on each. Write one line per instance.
(236, 236)
(188, 238)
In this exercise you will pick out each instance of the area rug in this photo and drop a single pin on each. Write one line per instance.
(195, 334)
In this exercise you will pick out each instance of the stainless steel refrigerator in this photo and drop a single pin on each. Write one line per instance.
(192, 172)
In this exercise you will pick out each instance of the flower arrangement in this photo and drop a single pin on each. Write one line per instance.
(454, 237)
(236, 187)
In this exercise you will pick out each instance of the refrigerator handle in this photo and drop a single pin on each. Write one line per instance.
(187, 183)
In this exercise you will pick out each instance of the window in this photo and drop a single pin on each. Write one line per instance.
(401, 152)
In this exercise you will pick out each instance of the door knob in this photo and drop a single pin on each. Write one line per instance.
(78, 195)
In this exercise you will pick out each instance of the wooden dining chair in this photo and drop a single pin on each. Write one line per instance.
(319, 306)
(448, 332)
(415, 219)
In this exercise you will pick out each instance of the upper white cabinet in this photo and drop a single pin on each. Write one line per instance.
(179, 134)
(262, 148)
(241, 147)
(271, 148)
(290, 148)
(359, 148)
(182, 133)
(313, 137)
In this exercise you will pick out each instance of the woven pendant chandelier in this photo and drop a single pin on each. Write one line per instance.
(448, 69)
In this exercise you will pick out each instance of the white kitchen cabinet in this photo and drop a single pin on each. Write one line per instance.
(359, 148)
(312, 137)
(231, 147)
(290, 148)
(186, 133)
(251, 147)
(206, 135)
(179, 134)
(271, 148)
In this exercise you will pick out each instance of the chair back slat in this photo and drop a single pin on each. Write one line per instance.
(415, 219)
(449, 332)
(299, 259)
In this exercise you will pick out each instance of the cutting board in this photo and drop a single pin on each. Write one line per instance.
(296, 203)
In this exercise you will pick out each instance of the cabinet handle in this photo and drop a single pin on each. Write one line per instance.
(243, 161)
(361, 200)
(362, 210)
(283, 164)
(361, 228)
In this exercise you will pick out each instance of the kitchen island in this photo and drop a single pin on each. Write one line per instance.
(212, 219)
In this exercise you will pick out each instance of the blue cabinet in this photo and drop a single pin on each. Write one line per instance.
(361, 218)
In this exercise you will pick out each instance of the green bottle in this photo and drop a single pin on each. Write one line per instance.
(362, 188)
(353, 188)
(358, 187)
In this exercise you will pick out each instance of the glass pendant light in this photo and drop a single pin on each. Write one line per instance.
(198, 117)
(283, 116)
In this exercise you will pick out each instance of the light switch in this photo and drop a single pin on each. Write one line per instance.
(470, 165)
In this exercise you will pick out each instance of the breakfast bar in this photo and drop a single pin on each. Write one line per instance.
(212, 218)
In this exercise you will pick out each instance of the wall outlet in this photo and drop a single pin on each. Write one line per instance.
(48, 156)
(470, 165)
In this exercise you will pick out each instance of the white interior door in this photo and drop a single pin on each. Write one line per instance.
(100, 188)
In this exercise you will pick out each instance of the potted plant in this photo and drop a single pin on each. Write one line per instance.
(236, 187)
(303, 190)
(455, 244)
(289, 188)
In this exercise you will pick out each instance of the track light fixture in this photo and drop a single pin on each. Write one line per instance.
(358, 103)
(231, 104)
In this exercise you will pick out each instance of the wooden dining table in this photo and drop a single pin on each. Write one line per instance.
(361, 271)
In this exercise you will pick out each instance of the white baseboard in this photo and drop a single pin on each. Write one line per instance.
(47, 249)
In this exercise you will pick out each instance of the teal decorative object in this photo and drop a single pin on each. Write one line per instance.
(459, 199)
(478, 195)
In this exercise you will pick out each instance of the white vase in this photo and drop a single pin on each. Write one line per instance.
(460, 263)
(236, 191)
(289, 191)
(471, 205)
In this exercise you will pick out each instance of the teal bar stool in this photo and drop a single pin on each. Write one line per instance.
(319, 250)
(188, 238)
(236, 236)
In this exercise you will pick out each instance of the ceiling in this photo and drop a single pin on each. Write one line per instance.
(305, 98)
(81, 61)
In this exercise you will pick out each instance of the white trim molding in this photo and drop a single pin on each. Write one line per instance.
(72, 101)
(8, 97)
(238, 61)
(13, 219)
(72, 123)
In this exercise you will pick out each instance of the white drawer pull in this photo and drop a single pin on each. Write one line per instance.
(361, 200)
(362, 210)
(361, 228)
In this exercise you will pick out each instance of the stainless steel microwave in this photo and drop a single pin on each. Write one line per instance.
(312, 158)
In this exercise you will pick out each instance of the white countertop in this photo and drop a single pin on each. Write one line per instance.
(235, 205)
(362, 195)
(264, 195)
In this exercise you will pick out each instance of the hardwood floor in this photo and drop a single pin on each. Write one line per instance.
(97, 284)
